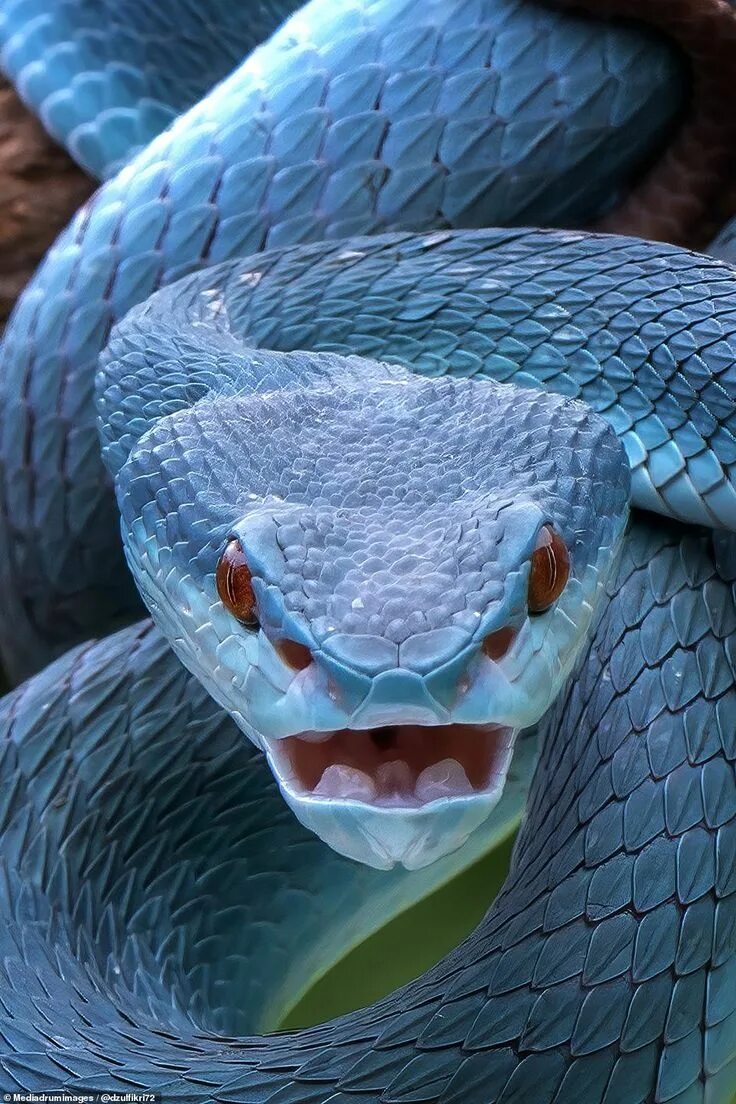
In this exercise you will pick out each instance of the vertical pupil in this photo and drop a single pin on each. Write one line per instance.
(551, 567)
(232, 585)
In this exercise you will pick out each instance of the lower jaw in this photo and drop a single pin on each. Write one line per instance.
(408, 797)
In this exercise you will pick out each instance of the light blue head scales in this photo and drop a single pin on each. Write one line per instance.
(388, 523)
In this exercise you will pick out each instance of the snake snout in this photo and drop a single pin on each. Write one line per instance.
(402, 781)
(418, 681)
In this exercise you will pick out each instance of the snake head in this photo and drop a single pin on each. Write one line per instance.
(383, 584)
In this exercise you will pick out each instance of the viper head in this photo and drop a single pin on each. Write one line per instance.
(382, 582)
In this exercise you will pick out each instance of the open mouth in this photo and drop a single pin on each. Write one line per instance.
(404, 766)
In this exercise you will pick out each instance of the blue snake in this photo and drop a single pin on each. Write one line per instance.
(374, 469)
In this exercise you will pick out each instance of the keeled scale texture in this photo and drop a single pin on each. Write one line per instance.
(605, 972)
(107, 76)
(143, 842)
(395, 504)
(657, 851)
(355, 117)
(645, 334)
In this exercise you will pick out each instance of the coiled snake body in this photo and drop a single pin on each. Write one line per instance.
(373, 489)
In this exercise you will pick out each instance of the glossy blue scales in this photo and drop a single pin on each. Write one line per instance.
(389, 523)
(106, 78)
(603, 973)
(350, 120)
(492, 302)
(153, 880)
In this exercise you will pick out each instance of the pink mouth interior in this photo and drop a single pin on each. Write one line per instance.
(404, 765)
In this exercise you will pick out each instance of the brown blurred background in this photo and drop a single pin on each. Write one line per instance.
(40, 188)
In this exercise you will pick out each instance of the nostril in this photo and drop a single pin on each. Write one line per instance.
(297, 656)
(497, 643)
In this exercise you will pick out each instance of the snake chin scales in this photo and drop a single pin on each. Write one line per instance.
(388, 521)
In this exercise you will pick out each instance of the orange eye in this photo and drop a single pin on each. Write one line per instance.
(550, 570)
(235, 583)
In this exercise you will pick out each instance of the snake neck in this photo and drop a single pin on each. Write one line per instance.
(680, 199)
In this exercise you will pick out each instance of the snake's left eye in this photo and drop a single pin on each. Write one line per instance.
(550, 570)
(235, 583)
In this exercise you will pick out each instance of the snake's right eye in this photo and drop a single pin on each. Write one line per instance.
(549, 570)
(235, 583)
